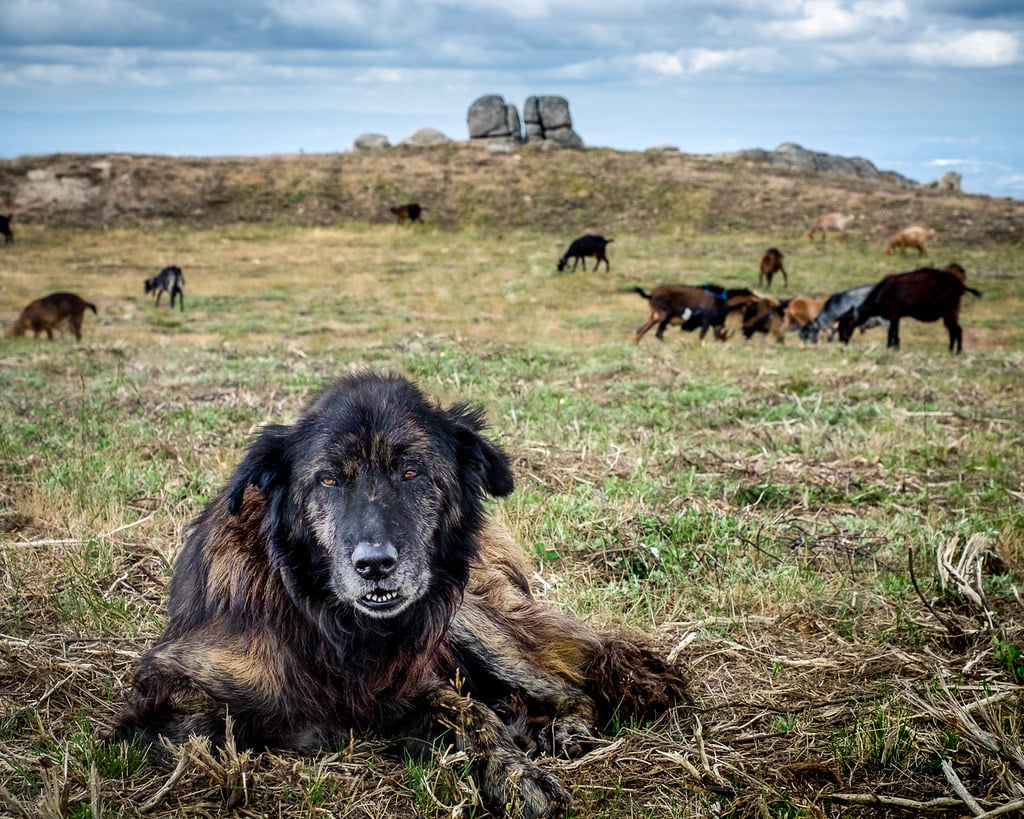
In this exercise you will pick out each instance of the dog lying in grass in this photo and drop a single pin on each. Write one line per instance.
(348, 579)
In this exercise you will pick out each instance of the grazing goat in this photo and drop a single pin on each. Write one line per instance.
(43, 315)
(587, 245)
(5, 227)
(169, 280)
(800, 310)
(835, 306)
(915, 237)
(926, 294)
(771, 263)
(705, 306)
(412, 212)
(761, 314)
(829, 221)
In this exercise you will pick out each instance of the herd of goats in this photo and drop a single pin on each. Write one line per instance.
(926, 294)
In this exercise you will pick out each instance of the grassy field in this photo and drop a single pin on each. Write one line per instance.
(831, 538)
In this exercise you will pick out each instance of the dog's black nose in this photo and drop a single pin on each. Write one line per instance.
(374, 561)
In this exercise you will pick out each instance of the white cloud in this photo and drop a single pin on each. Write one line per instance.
(385, 76)
(1011, 182)
(668, 65)
(316, 13)
(833, 20)
(984, 48)
(754, 60)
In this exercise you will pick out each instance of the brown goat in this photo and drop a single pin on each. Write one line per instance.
(771, 263)
(411, 212)
(46, 313)
(915, 237)
(827, 222)
(800, 310)
(705, 306)
(926, 294)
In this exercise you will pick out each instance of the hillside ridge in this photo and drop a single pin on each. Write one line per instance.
(464, 185)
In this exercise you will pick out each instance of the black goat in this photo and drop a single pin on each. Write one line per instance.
(169, 280)
(5, 227)
(835, 306)
(587, 245)
(926, 294)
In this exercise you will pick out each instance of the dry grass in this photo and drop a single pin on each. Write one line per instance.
(830, 538)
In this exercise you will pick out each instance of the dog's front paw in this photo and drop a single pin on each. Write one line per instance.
(514, 786)
(569, 736)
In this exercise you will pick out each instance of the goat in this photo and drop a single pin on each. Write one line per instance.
(827, 222)
(771, 263)
(5, 227)
(705, 306)
(412, 212)
(835, 306)
(926, 294)
(586, 245)
(799, 311)
(760, 314)
(43, 315)
(169, 280)
(915, 237)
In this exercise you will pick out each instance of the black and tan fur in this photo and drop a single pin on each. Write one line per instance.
(348, 579)
(45, 314)
(411, 212)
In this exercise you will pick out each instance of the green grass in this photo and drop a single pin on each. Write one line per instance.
(754, 504)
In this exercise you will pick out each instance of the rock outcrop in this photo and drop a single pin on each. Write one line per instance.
(490, 117)
(371, 142)
(791, 155)
(425, 137)
(546, 118)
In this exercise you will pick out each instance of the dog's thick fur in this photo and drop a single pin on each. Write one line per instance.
(43, 315)
(348, 579)
(169, 280)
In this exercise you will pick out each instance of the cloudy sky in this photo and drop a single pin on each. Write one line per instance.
(916, 86)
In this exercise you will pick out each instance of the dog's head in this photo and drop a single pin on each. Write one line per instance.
(152, 284)
(373, 497)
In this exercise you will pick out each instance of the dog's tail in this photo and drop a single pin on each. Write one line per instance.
(630, 681)
(640, 290)
(92, 307)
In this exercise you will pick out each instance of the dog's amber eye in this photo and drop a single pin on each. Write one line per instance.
(328, 480)
(409, 474)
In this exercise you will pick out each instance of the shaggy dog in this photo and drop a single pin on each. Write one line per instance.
(347, 579)
(45, 314)
(169, 280)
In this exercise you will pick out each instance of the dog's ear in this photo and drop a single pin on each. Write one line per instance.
(481, 458)
(265, 466)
